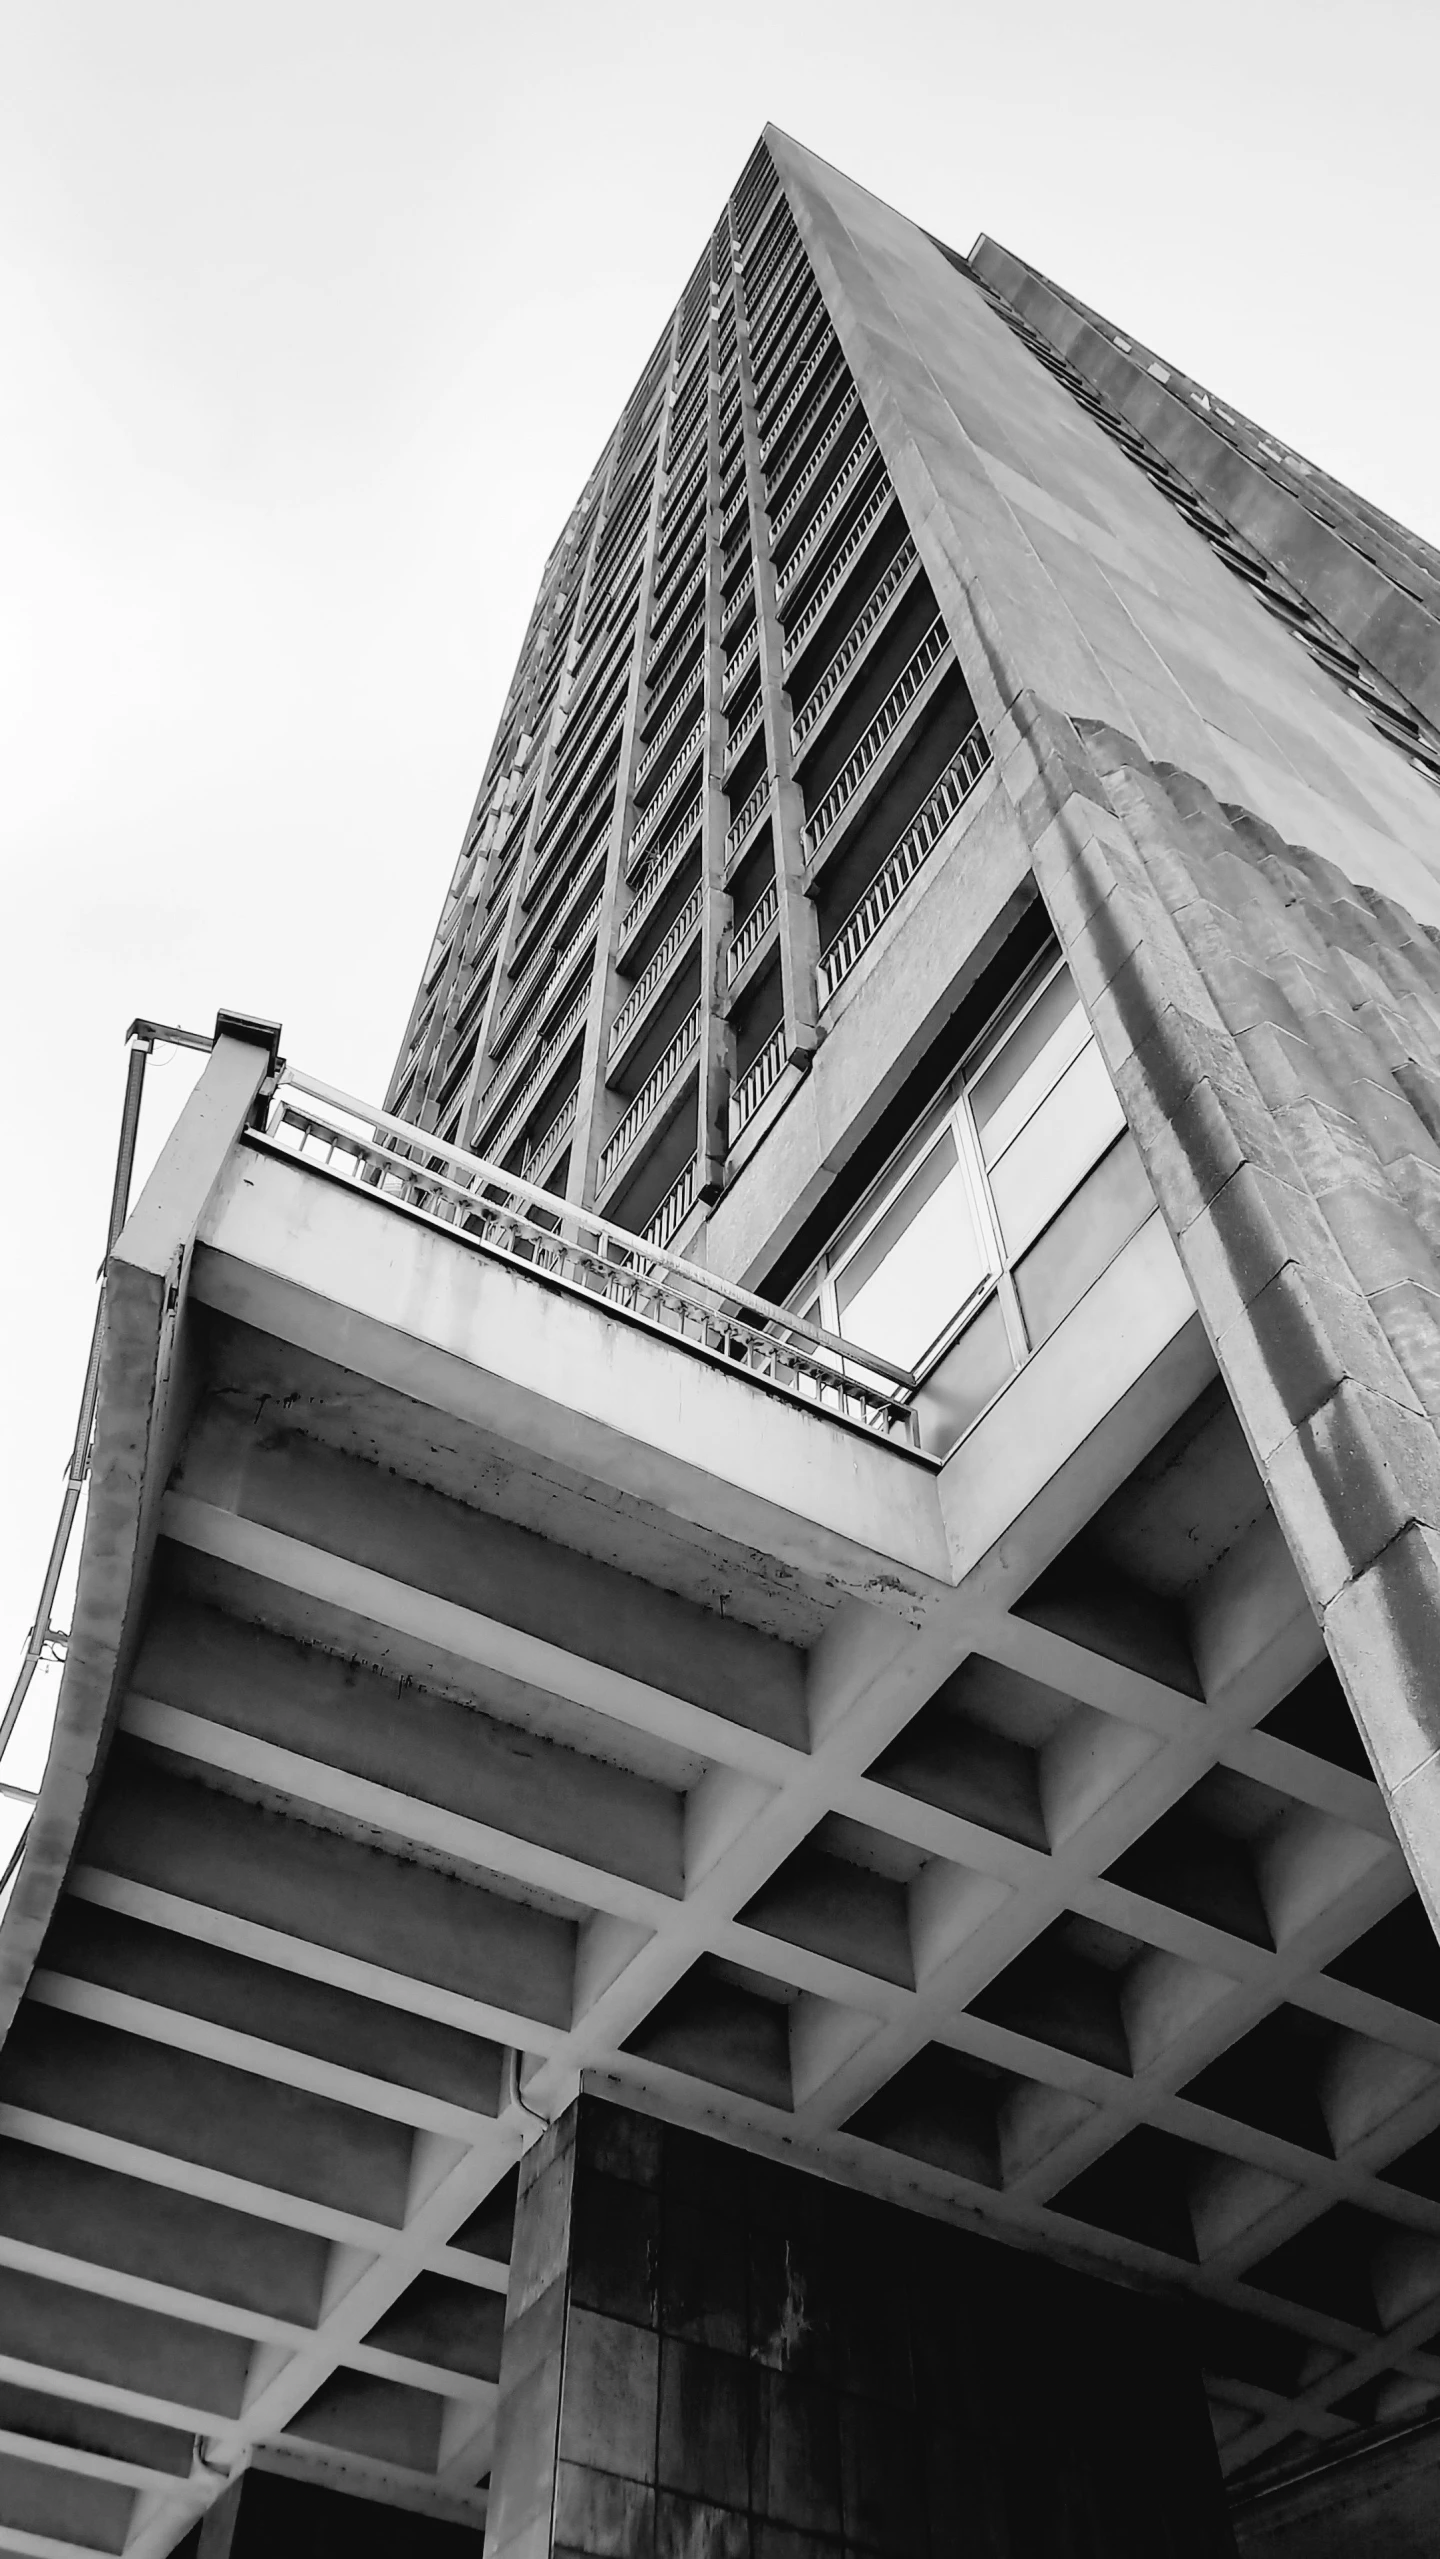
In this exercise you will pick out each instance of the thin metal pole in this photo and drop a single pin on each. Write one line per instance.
(79, 1463)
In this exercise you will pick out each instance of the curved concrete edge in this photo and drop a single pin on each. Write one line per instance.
(140, 1412)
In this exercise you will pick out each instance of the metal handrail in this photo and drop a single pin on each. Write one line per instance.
(673, 1210)
(908, 685)
(753, 931)
(854, 541)
(866, 621)
(740, 825)
(685, 842)
(496, 1209)
(655, 967)
(970, 760)
(762, 1072)
(652, 1092)
(861, 454)
(816, 464)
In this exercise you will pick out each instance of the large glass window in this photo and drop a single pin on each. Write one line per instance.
(993, 1217)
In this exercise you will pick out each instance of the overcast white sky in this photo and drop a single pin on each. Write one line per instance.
(313, 316)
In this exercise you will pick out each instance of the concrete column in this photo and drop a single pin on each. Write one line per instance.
(709, 2356)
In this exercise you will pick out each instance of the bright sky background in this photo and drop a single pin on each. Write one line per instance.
(313, 316)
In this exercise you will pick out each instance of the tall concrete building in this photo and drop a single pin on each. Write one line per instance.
(743, 1845)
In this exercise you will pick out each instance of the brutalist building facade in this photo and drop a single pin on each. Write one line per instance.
(835, 1578)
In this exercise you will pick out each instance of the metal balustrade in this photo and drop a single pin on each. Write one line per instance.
(652, 1093)
(758, 1079)
(734, 554)
(740, 825)
(854, 542)
(537, 935)
(753, 931)
(544, 1066)
(685, 701)
(852, 646)
(919, 840)
(679, 772)
(558, 815)
(741, 660)
(673, 1210)
(668, 949)
(673, 578)
(779, 314)
(908, 686)
(560, 1126)
(735, 746)
(741, 596)
(675, 614)
(686, 842)
(547, 965)
(550, 858)
(856, 461)
(779, 524)
(788, 349)
(630, 1278)
(777, 472)
(826, 349)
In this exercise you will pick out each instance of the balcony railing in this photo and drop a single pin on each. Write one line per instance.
(655, 967)
(779, 524)
(864, 524)
(856, 461)
(753, 931)
(544, 1147)
(899, 868)
(789, 349)
(673, 1210)
(544, 1066)
(745, 730)
(548, 967)
(741, 659)
(906, 688)
(684, 844)
(738, 601)
(681, 771)
(686, 701)
(796, 393)
(652, 1093)
(673, 574)
(741, 824)
(763, 1072)
(853, 643)
(634, 1280)
(674, 616)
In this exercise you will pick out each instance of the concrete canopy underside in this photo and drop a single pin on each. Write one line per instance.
(493, 1677)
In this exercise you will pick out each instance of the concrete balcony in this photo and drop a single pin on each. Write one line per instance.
(496, 1638)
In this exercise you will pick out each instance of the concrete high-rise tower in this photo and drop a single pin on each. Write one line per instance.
(742, 1852)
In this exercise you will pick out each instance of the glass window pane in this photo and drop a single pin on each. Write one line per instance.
(1035, 1055)
(1058, 1143)
(919, 1263)
(975, 1367)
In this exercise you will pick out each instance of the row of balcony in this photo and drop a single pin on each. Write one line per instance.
(674, 618)
(861, 454)
(688, 699)
(919, 840)
(680, 771)
(538, 1156)
(814, 468)
(654, 883)
(852, 646)
(830, 375)
(769, 296)
(827, 350)
(738, 601)
(758, 275)
(789, 346)
(811, 322)
(747, 1094)
(799, 631)
(747, 817)
(743, 655)
(496, 1140)
(673, 1210)
(548, 868)
(753, 931)
(667, 949)
(652, 1093)
(674, 575)
(548, 968)
(743, 732)
(560, 814)
(910, 682)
